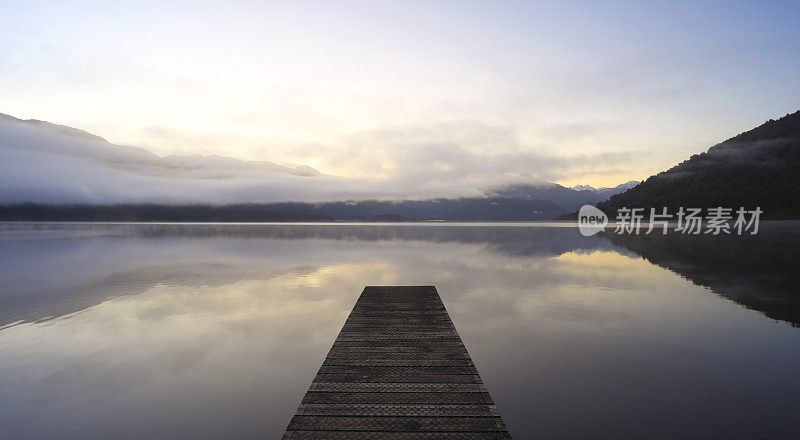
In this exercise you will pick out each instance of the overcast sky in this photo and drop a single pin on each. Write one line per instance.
(575, 92)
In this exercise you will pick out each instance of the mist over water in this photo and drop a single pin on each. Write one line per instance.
(215, 331)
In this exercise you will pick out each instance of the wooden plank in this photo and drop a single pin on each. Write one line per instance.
(397, 370)
(396, 424)
(477, 398)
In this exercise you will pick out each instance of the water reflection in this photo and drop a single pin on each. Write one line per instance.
(215, 331)
(53, 270)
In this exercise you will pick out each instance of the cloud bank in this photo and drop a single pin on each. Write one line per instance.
(48, 163)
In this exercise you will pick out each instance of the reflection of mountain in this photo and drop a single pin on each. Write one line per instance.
(760, 167)
(760, 272)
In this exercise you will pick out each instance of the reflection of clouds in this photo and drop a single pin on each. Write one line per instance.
(39, 305)
(567, 287)
(189, 351)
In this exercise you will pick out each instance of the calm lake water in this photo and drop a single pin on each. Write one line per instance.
(216, 331)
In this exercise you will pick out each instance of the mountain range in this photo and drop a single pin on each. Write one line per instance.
(607, 192)
(54, 172)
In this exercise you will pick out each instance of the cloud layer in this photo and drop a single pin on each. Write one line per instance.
(47, 163)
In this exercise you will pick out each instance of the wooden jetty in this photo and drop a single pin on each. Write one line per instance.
(398, 370)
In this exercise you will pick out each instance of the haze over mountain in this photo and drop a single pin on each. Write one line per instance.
(47, 163)
(564, 197)
(568, 198)
(757, 168)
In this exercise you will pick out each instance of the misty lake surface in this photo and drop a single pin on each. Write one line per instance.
(216, 331)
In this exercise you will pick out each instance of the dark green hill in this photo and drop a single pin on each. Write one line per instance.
(758, 168)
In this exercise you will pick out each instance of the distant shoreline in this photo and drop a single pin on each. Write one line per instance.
(474, 209)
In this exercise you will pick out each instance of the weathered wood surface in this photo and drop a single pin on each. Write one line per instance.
(398, 370)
